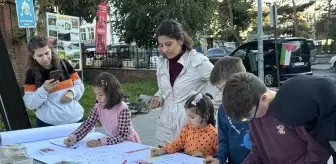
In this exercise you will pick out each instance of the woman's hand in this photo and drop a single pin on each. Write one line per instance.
(156, 101)
(68, 97)
(50, 85)
(94, 143)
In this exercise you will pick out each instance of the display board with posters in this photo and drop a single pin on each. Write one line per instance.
(63, 30)
(101, 28)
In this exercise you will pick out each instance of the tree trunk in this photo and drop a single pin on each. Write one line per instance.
(231, 22)
(295, 18)
(328, 21)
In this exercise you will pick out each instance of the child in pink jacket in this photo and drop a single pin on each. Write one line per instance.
(110, 111)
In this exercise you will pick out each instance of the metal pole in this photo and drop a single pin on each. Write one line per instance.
(27, 34)
(276, 44)
(6, 122)
(260, 42)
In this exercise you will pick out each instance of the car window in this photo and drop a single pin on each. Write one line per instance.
(215, 52)
(300, 47)
(241, 51)
(113, 50)
(252, 57)
(311, 45)
(268, 49)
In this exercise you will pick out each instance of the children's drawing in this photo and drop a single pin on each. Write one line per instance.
(61, 143)
(166, 159)
(99, 157)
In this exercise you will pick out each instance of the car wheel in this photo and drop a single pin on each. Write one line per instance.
(270, 79)
(334, 65)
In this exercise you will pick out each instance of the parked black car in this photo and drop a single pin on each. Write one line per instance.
(299, 62)
(214, 54)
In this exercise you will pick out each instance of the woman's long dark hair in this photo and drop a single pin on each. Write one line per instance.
(36, 42)
(204, 107)
(174, 30)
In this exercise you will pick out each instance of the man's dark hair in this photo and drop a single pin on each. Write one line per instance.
(226, 67)
(241, 93)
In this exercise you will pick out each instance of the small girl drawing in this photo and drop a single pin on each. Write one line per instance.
(199, 136)
(112, 113)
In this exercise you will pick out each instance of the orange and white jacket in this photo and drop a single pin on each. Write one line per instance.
(47, 104)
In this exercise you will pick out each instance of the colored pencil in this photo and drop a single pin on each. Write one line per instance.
(134, 151)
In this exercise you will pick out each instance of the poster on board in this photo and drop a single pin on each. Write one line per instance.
(63, 30)
(101, 28)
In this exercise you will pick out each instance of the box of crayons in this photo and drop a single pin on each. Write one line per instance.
(21, 159)
(4, 159)
(13, 149)
(14, 154)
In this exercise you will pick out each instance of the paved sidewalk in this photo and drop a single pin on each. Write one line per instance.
(145, 125)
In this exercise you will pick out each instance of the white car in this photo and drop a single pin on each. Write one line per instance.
(332, 62)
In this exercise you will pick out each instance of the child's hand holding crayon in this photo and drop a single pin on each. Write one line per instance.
(211, 160)
(158, 151)
(69, 141)
(198, 154)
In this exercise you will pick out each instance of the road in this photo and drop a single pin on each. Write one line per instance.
(324, 70)
(145, 125)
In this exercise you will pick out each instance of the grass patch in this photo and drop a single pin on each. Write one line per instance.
(132, 89)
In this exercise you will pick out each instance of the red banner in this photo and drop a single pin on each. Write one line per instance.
(101, 28)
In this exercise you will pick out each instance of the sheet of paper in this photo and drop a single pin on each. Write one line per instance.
(177, 158)
(105, 154)
(32, 147)
(79, 145)
(61, 143)
(37, 134)
(87, 157)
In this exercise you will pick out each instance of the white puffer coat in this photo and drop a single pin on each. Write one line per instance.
(193, 77)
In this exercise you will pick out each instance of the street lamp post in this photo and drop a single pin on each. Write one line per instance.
(260, 42)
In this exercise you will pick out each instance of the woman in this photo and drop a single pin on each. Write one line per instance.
(55, 100)
(180, 71)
